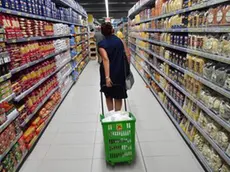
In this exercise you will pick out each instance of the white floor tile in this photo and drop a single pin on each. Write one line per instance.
(71, 118)
(31, 166)
(74, 138)
(70, 152)
(154, 135)
(77, 127)
(162, 148)
(47, 138)
(39, 152)
(65, 166)
(99, 137)
(172, 163)
(99, 151)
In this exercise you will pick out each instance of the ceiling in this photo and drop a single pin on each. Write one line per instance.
(117, 8)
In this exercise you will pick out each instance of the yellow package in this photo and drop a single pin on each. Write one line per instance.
(195, 111)
(197, 86)
(189, 107)
(199, 64)
(183, 123)
(186, 81)
(167, 69)
(186, 104)
(191, 132)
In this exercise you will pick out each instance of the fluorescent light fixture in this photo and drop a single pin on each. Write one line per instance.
(107, 8)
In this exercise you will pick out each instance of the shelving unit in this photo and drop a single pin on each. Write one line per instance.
(165, 66)
(61, 61)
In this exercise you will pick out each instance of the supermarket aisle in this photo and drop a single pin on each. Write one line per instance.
(73, 141)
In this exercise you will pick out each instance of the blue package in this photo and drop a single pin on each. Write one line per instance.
(11, 4)
(17, 6)
(5, 3)
(36, 9)
(40, 10)
(33, 9)
(29, 8)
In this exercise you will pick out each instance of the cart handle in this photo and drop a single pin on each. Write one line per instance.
(102, 103)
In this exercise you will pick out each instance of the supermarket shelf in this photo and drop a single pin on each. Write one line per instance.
(64, 76)
(219, 29)
(76, 55)
(74, 46)
(20, 162)
(33, 16)
(9, 98)
(38, 108)
(142, 7)
(210, 140)
(192, 146)
(5, 77)
(42, 131)
(35, 38)
(222, 91)
(25, 93)
(188, 50)
(9, 148)
(82, 69)
(36, 62)
(209, 112)
(185, 10)
(65, 4)
(11, 117)
(83, 33)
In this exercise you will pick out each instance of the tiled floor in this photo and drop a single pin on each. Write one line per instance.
(73, 141)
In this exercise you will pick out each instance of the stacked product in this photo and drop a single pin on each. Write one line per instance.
(47, 8)
(183, 57)
(38, 124)
(61, 29)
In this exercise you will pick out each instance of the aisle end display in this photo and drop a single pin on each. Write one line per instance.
(181, 50)
(44, 47)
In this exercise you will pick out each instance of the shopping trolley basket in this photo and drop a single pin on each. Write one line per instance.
(119, 138)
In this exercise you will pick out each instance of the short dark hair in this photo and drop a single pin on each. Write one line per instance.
(107, 29)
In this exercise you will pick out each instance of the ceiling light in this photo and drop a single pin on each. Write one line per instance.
(107, 8)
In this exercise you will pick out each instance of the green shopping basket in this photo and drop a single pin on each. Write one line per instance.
(119, 139)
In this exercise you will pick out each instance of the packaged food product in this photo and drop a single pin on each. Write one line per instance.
(224, 44)
(225, 168)
(222, 139)
(215, 161)
(220, 15)
(225, 109)
(219, 74)
(212, 13)
(212, 129)
(227, 81)
(199, 64)
(208, 70)
(183, 123)
(195, 111)
(199, 142)
(191, 132)
(226, 15)
(206, 151)
(187, 105)
(203, 119)
(197, 86)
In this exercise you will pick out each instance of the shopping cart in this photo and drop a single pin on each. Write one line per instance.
(119, 138)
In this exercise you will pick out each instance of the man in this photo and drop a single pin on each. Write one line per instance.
(98, 37)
